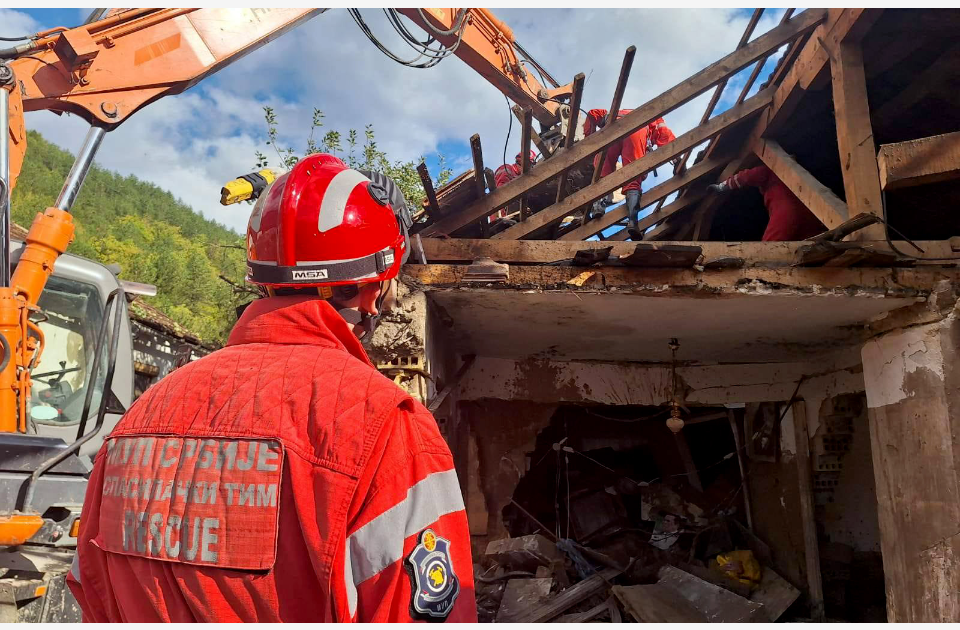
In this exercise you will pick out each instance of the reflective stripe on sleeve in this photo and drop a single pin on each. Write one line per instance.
(75, 567)
(379, 543)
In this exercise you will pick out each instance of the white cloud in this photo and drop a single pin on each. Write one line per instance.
(192, 143)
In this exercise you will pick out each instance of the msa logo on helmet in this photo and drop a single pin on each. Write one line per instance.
(310, 274)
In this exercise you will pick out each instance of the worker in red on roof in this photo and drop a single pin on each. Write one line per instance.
(790, 220)
(633, 147)
(507, 173)
(283, 478)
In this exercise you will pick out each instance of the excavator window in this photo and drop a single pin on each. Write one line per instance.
(71, 318)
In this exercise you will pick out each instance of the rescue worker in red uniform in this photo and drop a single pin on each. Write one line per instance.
(507, 173)
(282, 478)
(631, 148)
(790, 220)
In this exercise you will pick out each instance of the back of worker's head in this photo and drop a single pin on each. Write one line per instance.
(519, 158)
(328, 230)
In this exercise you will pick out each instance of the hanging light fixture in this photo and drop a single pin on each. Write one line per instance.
(674, 422)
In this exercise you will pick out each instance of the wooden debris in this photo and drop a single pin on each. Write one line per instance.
(568, 598)
(775, 593)
(653, 603)
(846, 228)
(525, 553)
(843, 254)
(610, 607)
(725, 262)
(587, 257)
(653, 255)
(716, 603)
(520, 595)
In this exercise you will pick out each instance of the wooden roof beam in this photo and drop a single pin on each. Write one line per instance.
(819, 199)
(639, 117)
(918, 162)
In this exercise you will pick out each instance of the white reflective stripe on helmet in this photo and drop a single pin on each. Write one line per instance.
(334, 202)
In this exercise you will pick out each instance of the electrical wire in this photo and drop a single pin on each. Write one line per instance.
(888, 227)
(509, 128)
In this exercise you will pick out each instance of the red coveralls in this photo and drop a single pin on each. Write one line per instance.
(504, 173)
(278, 479)
(631, 148)
(790, 220)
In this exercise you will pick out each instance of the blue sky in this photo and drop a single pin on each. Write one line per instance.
(191, 143)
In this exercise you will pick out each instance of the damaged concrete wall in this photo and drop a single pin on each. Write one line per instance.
(912, 379)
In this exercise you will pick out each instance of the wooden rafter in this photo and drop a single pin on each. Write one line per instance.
(819, 199)
(639, 117)
(572, 123)
(637, 168)
(658, 216)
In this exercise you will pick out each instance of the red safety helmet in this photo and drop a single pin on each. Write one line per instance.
(323, 224)
(519, 158)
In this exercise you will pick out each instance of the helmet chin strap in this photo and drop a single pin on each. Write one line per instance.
(356, 317)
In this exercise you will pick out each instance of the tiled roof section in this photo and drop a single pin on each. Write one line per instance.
(18, 232)
(155, 318)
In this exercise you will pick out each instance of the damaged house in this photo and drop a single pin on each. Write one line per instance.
(689, 424)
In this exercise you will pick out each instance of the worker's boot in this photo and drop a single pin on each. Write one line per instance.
(633, 212)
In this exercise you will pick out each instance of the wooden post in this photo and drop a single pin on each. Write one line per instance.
(575, 100)
(810, 546)
(617, 99)
(477, 152)
(734, 426)
(427, 183)
(858, 152)
(526, 124)
(537, 140)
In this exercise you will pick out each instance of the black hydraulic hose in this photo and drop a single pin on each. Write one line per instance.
(116, 297)
(7, 353)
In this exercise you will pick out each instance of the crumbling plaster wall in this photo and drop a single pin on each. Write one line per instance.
(912, 380)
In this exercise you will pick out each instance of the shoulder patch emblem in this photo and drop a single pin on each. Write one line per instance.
(435, 586)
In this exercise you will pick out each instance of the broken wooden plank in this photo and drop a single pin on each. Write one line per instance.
(807, 517)
(661, 105)
(820, 200)
(568, 598)
(427, 182)
(653, 603)
(477, 153)
(717, 604)
(520, 594)
(858, 161)
(649, 255)
(847, 227)
(775, 593)
(844, 254)
(660, 191)
(614, 112)
(637, 168)
(918, 162)
(571, 129)
(606, 607)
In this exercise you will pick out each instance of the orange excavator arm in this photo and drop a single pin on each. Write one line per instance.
(487, 45)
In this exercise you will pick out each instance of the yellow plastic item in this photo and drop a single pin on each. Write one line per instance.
(741, 566)
(246, 187)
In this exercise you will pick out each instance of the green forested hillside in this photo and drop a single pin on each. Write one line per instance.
(153, 236)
